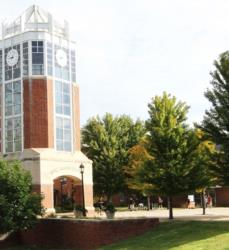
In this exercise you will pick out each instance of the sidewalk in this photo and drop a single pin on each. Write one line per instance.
(216, 214)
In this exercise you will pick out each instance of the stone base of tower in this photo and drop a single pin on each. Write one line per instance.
(47, 165)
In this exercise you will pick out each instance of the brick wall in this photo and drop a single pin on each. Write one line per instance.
(85, 234)
(11, 240)
(222, 196)
(38, 113)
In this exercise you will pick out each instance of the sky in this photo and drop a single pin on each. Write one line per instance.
(128, 51)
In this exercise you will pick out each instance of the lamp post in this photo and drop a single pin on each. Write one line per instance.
(82, 172)
(63, 181)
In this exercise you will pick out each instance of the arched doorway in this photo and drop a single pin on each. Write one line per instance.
(67, 192)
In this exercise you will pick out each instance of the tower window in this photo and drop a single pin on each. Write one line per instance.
(49, 58)
(73, 65)
(63, 116)
(63, 134)
(37, 57)
(63, 98)
(25, 59)
(13, 121)
(0, 66)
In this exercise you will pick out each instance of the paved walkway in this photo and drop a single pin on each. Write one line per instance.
(219, 213)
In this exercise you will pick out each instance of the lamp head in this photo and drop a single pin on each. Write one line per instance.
(81, 168)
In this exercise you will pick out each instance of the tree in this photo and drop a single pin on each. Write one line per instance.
(176, 166)
(216, 120)
(206, 154)
(19, 207)
(106, 142)
(138, 157)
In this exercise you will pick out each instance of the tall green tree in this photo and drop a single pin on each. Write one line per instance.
(19, 207)
(206, 156)
(216, 119)
(106, 142)
(176, 167)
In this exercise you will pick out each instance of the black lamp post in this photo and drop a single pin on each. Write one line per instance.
(82, 172)
(63, 181)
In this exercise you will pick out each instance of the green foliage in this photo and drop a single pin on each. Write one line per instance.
(106, 142)
(216, 119)
(178, 163)
(176, 166)
(109, 207)
(138, 157)
(19, 207)
(67, 203)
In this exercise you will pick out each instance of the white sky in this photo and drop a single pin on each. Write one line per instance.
(130, 50)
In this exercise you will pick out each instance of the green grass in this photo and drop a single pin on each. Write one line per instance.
(190, 235)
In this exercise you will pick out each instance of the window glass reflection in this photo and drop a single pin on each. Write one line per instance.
(37, 57)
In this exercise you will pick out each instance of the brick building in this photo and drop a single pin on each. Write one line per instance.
(40, 104)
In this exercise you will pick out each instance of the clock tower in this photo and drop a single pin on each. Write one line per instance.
(40, 107)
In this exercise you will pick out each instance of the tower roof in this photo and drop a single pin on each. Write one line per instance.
(35, 19)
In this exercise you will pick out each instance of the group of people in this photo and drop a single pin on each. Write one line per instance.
(132, 204)
(207, 202)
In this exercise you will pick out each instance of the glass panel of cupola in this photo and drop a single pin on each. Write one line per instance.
(25, 59)
(1, 67)
(37, 57)
(49, 59)
(73, 65)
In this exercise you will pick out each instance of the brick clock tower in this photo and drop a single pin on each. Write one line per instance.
(40, 104)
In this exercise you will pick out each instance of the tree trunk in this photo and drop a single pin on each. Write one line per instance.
(203, 202)
(148, 202)
(170, 208)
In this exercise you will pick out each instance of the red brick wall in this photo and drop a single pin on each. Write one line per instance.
(50, 113)
(38, 113)
(85, 234)
(11, 240)
(222, 196)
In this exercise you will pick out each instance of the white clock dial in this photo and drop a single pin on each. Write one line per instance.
(61, 57)
(12, 57)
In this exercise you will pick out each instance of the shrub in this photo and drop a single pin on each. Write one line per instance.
(19, 207)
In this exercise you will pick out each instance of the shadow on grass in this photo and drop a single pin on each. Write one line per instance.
(174, 234)
(31, 248)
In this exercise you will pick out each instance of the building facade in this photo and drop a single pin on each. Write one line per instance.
(40, 112)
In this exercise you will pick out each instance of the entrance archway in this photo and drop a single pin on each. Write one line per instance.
(67, 192)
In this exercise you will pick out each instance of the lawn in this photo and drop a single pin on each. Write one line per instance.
(192, 235)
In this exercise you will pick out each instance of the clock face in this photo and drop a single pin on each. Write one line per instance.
(61, 57)
(12, 57)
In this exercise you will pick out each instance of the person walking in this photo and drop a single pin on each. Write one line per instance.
(131, 204)
(160, 202)
(209, 201)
